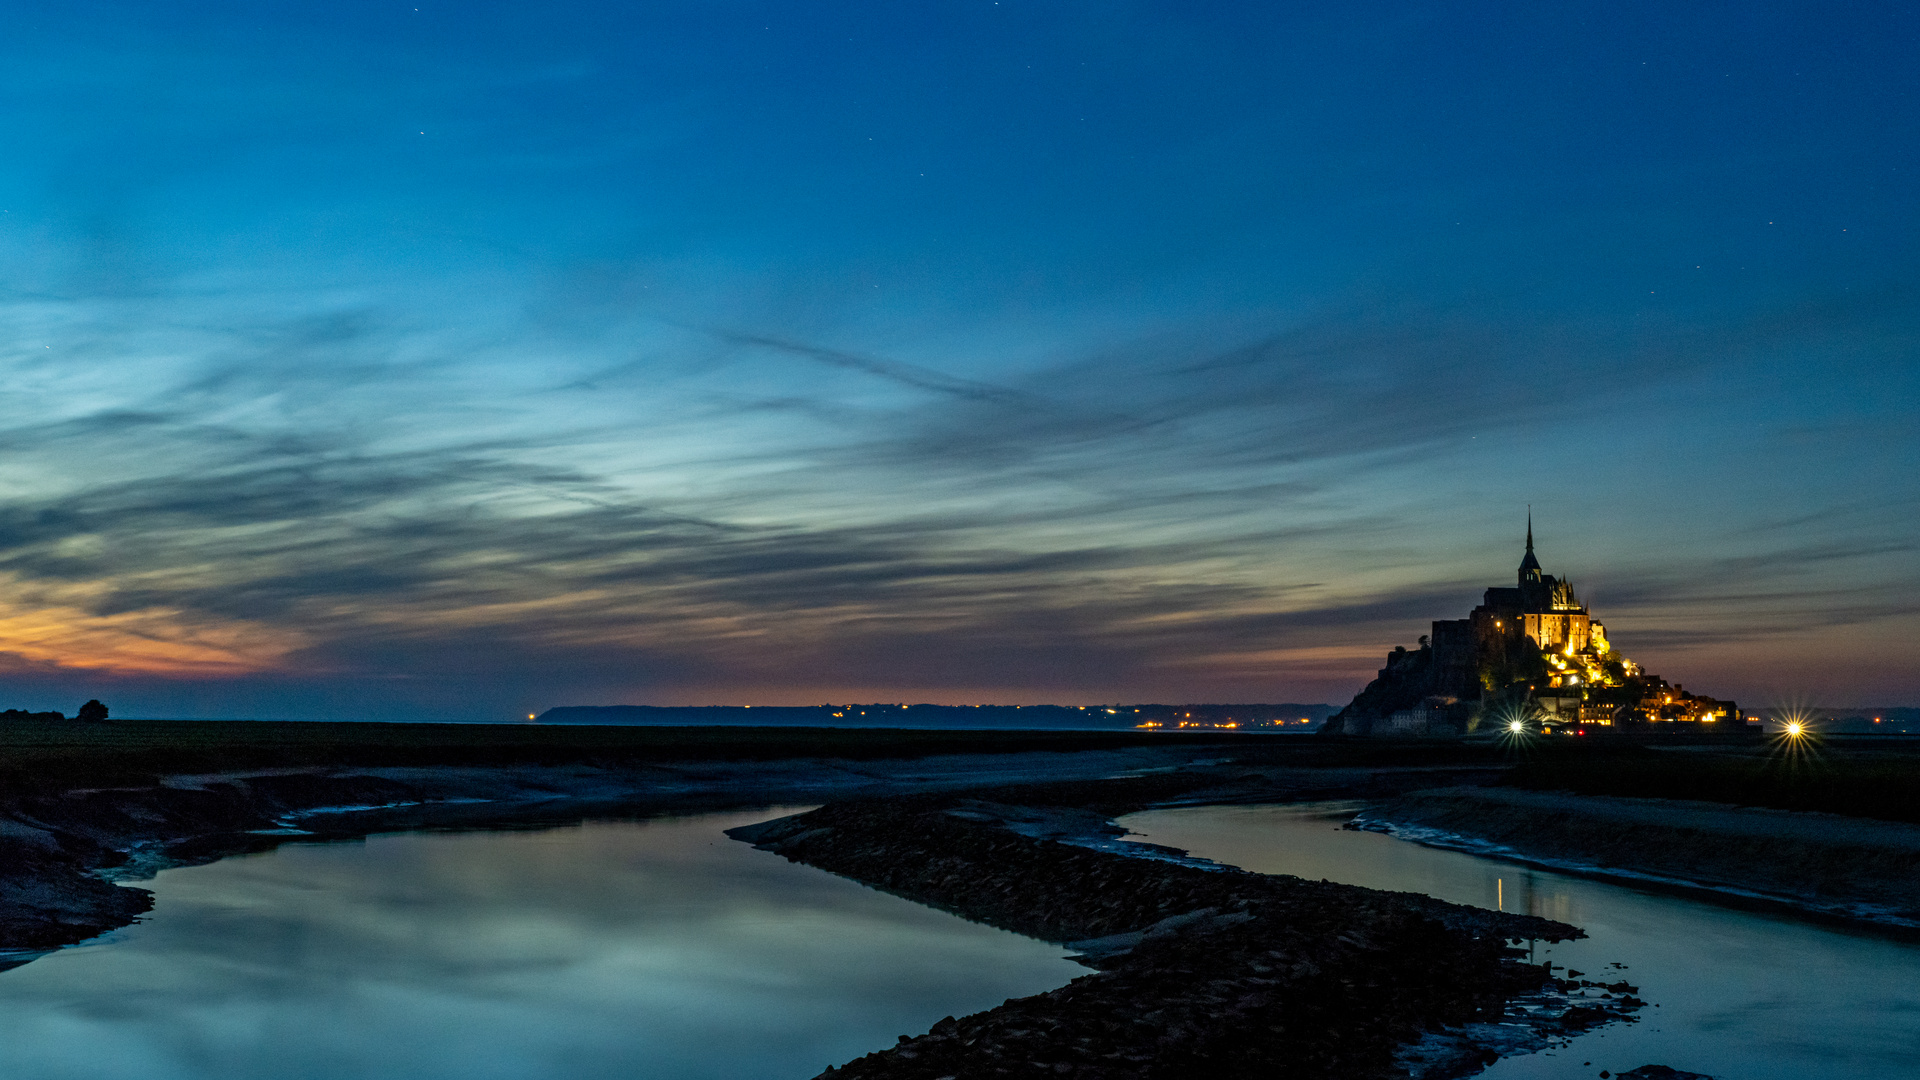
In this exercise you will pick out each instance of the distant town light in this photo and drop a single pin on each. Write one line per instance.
(1516, 726)
(1795, 727)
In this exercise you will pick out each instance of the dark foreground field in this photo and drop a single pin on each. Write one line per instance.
(1874, 777)
(43, 754)
(1223, 972)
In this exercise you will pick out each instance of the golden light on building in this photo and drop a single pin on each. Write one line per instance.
(1470, 671)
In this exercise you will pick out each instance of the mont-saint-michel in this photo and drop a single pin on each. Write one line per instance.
(766, 540)
(1530, 657)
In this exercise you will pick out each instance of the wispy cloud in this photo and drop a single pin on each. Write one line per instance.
(333, 496)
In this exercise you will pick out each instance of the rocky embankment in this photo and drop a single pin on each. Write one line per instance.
(62, 850)
(1201, 971)
(1851, 868)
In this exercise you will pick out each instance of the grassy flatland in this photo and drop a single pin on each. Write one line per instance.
(1871, 778)
(1868, 777)
(132, 751)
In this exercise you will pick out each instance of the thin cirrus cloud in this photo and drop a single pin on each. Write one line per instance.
(329, 501)
(366, 361)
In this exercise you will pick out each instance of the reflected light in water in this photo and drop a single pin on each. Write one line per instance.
(1741, 994)
(656, 949)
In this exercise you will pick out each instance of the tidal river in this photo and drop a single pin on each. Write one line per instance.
(1742, 996)
(662, 949)
(658, 949)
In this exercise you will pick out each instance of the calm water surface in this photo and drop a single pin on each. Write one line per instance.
(631, 950)
(1742, 996)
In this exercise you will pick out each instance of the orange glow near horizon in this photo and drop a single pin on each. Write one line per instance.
(54, 626)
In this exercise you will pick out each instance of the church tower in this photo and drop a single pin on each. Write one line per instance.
(1529, 566)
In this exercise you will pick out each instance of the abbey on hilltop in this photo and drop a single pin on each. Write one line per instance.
(1532, 653)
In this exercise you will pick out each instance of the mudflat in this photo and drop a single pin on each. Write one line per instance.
(1854, 868)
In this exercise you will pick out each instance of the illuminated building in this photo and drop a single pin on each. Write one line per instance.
(1532, 652)
(1542, 611)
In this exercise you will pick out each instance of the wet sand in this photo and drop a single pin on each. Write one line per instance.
(1854, 869)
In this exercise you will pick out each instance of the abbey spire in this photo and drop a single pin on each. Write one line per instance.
(1529, 566)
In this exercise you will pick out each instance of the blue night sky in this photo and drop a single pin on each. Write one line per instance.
(460, 360)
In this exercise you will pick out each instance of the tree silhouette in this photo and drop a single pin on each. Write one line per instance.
(92, 712)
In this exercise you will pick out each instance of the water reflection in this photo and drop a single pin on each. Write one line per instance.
(1742, 995)
(658, 949)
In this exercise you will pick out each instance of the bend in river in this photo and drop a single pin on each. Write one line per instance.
(1741, 994)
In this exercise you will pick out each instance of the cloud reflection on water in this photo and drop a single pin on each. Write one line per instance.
(659, 949)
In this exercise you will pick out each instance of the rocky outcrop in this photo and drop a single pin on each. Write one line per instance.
(1411, 695)
(60, 851)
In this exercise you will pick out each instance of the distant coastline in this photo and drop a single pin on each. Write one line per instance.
(1259, 717)
(1289, 717)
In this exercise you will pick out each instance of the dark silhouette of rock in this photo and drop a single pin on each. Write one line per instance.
(1529, 654)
